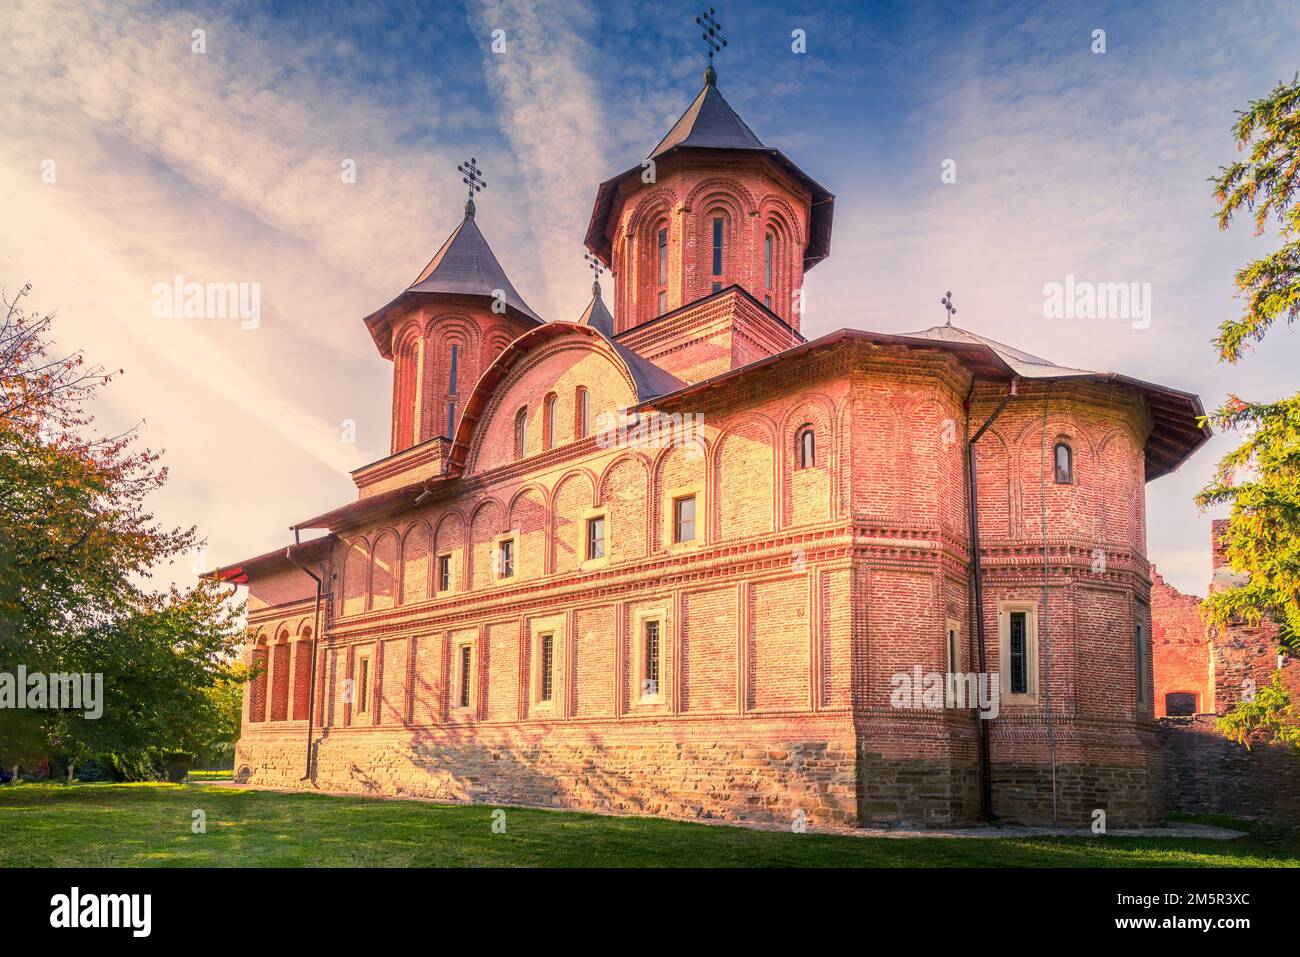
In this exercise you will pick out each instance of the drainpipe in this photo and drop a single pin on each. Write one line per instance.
(986, 775)
(315, 637)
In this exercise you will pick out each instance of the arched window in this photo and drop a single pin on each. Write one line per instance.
(550, 422)
(719, 231)
(661, 271)
(521, 432)
(1063, 462)
(453, 387)
(807, 448)
(581, 414)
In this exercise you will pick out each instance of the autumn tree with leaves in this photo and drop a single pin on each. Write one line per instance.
(77, 549)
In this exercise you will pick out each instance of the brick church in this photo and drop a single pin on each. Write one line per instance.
(669, 556)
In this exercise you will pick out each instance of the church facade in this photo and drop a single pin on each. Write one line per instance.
(673, 557)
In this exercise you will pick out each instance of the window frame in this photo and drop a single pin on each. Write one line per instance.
(581, 412)
(464, 681)
(640, 696)
(809, 461)
(521, 433)
(1005, 612)
(1140, 663)
(438, 562)
(718, 246)
(363, 687)
(1069, 463)
(550, 421)
(677, 521)
(592, 522)
(504, 547)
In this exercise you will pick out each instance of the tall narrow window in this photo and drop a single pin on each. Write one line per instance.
(453, 386)
(1063, 457)
(1019, 664)
(363, 686)
(506, 558)
(463, 691)
(650, 681)
(550, 426)
(663, 257)
(767, 301)
(521, 432)
(807, 448)
(684, 519)
(1140, 663)
(661, 303)
(444, 573)
(581, 425)
(596, 537)
(717, 246)
(546, 654)
(953, 659)
(767, 261)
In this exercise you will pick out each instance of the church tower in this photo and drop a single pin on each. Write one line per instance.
(445, 329)
(709, 239)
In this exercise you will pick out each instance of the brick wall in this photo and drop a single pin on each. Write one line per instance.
(781, 626)
(1207, 773)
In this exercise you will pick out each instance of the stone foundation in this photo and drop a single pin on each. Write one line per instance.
(736, 779)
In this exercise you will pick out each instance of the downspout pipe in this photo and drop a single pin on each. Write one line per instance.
(315, 637)
(977, 576)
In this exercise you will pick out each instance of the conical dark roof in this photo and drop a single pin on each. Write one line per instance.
(464, 266)
(710, 123)
(596, 315)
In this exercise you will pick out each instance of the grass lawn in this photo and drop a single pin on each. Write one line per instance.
(125, 825)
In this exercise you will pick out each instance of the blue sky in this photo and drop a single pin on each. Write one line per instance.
(224, 166)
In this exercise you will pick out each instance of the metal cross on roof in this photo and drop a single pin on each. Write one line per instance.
(472, 177)
(597, 267)
(713, 33)
(946, 302)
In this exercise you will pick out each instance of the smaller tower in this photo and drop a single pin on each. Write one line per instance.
(445, 328)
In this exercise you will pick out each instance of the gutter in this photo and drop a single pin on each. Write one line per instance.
(315, 637)
(977, 577)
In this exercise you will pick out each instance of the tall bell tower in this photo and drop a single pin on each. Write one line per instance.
(710, 209)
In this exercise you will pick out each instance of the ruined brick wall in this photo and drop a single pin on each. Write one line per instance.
(1180, 646)
(1207, 773)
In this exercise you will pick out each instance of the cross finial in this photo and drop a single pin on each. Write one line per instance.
(472, 177)
(946, 302)
(597, 267)
(713, 37)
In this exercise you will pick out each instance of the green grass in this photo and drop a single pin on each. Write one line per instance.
(126, 825)
(198, 776)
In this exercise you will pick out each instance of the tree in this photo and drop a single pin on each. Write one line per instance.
(1260, 479)
(77, 548)
(1268, 715)
(167, 659)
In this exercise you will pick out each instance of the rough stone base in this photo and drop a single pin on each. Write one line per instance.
(732, 780)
